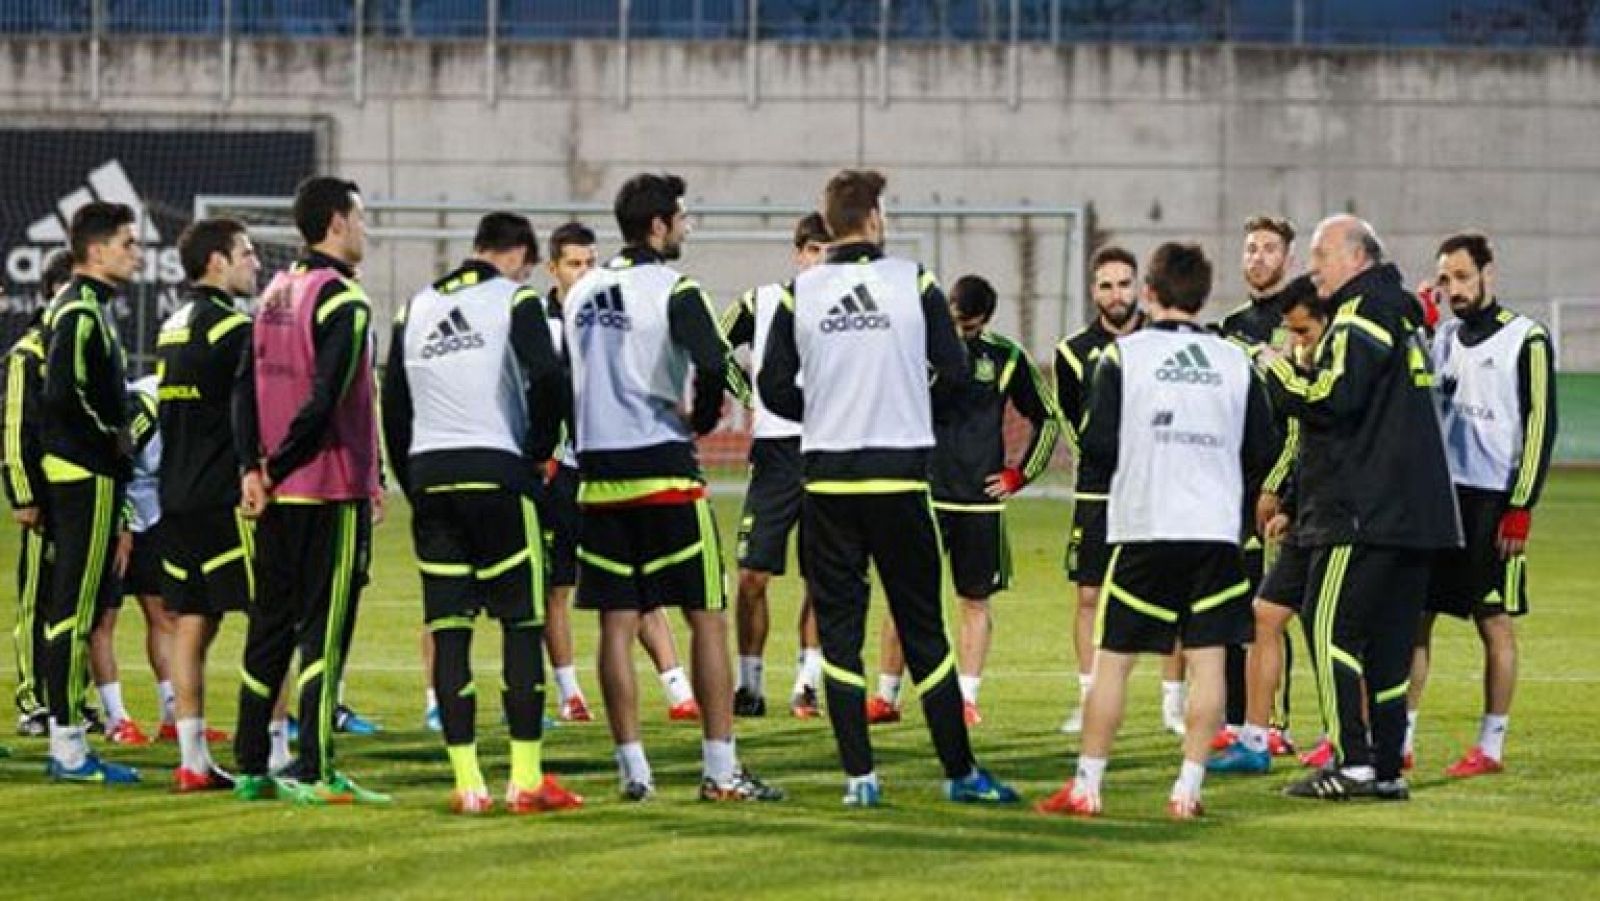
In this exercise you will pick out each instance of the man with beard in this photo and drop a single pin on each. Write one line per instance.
(1374, 505)
(1497, 395)
(1115, 293)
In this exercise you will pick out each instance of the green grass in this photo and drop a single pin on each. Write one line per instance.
(1535, 828)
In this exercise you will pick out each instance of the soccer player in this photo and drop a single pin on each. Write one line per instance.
(473, 395)
(1267, 256)
(772, 502)
(306, 439)
(971, 481)
(25, 489)
(1116, 298)
(648, 540)
(1374, 504)
(136, 566)
(1497, 389)
(86, 464)
(849, 356)
(572, 256)
(1177, 434)
(1278, 600)
(205, 543)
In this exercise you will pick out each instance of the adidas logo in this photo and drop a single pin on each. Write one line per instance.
(453, 334)
(1190, 367)
(108, 182)
(605, 310)
(856, 311)
(1162, 419)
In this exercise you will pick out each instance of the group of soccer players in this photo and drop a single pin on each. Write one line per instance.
(1324, 451)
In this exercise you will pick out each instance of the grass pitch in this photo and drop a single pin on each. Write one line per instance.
(1535, 828)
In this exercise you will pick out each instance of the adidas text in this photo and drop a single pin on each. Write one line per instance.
(854, 322)
(439, 348)
(1188, 376)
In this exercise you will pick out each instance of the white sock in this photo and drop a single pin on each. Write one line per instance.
(1492, 735)
(278, 734)
(67, 746)
(1190, 777)
(111, 699)
(677, 686)
(750, 673)
(1359, 772)
(567, 683)
(1090, 771)
(718, 760)
(889, 688)
(433, 699)
(811, 667)
(1172, 696)
(192, 748)
(869, 779)
(1411, 732)
(969, 688)
(1254, 737)
(169, 700)
(1084, 681)
(632, 765)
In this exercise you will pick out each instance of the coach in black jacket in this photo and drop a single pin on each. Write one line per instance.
(1375, 503)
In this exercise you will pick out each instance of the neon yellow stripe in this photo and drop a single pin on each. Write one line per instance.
(311, 672)
(449, 622)
(925, 280)
(1347, 315)
(939, 674)
(221, 329)
(256, 686)
(1222, 597)
(295, 500)
(866, 486)
(1137, 605)
(50, 632)
(602, 563)
(660, 563)
(616, 491)
(16, 470)
(461, 486)
(1533, 432)
(1280, 468)
(953, 507)
(89, 582)
(247, 540)
(174, 570)
(342, 299)
(840, 674)
(445, 570)
(1090, 496)
(1346, 658)
(1391, 694)
(533, 543)
(170, 337)
(1072, 361)
(711, 559)
(504, 566)
(1010, 368)
(1104, 599)
(221, 560)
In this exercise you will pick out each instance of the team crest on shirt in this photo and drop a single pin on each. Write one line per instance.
(983, 370)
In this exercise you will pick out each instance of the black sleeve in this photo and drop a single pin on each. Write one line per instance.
(780, 365)
(548, 395)
(1536, 395)
(142, 421)
(341, 340)
(947, 354)
(738, 329)
(694, 327)
(19, 423)
(396, 406)
(246, 426)
(1027, 393)
(68, 388)
(1262, 441)
(1101, 423)
(1339, 390)
(1069, 390)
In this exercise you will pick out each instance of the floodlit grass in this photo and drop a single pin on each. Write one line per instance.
(1537, 827)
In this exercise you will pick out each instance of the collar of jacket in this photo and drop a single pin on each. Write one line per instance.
(316, 259)
(1381, 277)
(855, 252)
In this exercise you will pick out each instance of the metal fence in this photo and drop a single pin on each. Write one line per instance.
(1506, 23)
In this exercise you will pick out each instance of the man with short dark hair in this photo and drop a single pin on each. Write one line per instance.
(86, 465)
(306, 439)
(772, 502)
(473, 400)
(648, 540)
(26, 490)
(863, 333)
(205, 544)
(1497, 395)
(1177, 433)
(1374, 504)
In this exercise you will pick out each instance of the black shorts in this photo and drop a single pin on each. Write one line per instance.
(207, 561)
(143, 576)
(771, 504)
(1159, 593)
(557, 501)
(648, 556)
(479, 550)
(1087, 551)
(1285, 584)
(979, 552)
(1475, 580)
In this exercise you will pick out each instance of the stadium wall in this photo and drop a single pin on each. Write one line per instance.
(1161, 142)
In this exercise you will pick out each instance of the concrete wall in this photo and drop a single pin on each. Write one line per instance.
(1162, 142)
